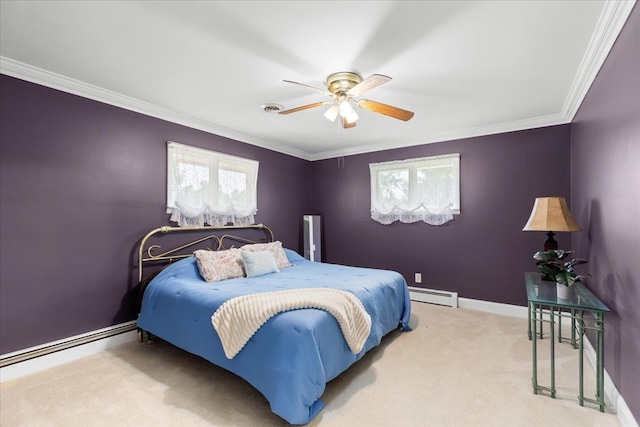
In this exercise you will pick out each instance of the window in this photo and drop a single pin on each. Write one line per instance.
(426, 189)
(206, 187)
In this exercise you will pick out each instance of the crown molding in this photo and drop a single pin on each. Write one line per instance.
(612, 19)
(610, 23)
(52, 80)
(472, 132)
(56, 81)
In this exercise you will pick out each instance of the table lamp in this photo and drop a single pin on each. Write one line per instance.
(551, 214)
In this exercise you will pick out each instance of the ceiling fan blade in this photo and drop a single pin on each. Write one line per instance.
(367, 84)
(387, 110)
(305, 107)
(347, 125)
(310, 87)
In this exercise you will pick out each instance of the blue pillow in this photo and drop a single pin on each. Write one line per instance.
(294, 256)
(259, 263)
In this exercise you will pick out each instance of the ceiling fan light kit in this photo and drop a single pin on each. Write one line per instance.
(343, 87)
(347, 112)
(332, 113)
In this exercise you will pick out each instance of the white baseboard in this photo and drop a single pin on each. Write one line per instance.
(611, 392)
(624, 413)
(493, 307)
(612, 395)
(49, 360)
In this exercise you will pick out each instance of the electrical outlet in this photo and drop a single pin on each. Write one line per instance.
(418, 278)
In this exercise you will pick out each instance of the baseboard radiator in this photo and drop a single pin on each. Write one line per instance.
(433, 296)
(64, 344)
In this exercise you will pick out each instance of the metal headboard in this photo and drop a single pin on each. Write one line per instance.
(146, 253)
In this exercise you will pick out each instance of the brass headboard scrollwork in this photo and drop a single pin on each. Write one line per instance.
(147, 252)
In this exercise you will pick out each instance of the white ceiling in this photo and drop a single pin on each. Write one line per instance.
(464, 68)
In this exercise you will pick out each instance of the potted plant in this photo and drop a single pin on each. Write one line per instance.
(554, 267)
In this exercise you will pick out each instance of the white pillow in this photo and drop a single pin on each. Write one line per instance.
(275, 248)
(259, 263)
(219, 265)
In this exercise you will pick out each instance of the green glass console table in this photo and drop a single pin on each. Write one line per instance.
(545, 307)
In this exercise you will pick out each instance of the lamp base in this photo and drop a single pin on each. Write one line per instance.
(550, 244)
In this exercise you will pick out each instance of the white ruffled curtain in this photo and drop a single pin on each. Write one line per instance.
(415, 190)
(205, 187)
(408, 216)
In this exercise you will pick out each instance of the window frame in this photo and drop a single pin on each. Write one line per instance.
(211, 160)
(412, 165)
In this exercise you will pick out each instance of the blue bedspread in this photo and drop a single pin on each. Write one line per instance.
(292, 357)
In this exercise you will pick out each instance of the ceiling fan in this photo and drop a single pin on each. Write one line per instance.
(344, 87)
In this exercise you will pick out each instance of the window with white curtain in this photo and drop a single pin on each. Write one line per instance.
(425, 189)
(206, 187)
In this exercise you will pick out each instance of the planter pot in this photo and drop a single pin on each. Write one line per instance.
(564, 291)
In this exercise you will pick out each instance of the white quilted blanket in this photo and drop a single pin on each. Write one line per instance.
(238, 319)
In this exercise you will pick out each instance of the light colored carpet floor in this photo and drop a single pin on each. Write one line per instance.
(456, 368)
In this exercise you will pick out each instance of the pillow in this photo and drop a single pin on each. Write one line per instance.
(275, 248)
(259, 263)
(219, 265)
(293, 256)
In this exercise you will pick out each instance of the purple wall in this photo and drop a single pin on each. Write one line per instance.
(80, 183)
(482, 253)
(605, 190)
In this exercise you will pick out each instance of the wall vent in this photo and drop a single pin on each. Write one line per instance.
(433, 296)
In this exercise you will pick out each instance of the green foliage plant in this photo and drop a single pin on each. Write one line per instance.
(553, 266)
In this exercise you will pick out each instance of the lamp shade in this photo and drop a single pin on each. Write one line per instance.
(551, 214)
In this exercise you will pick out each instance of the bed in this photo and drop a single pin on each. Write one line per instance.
(295, 353)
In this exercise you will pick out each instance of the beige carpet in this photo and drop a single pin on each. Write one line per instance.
(457, 368)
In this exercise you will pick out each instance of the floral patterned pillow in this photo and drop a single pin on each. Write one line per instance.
(219, 265)
(275, 248)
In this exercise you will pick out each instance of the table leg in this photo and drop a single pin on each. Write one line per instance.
(534, 378)
(559, 325)
(553, 355)
(529, 318)
(573, 328)
(600, 358)
(581, 358)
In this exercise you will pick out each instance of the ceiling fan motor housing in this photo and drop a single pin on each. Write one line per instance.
(341, 82)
